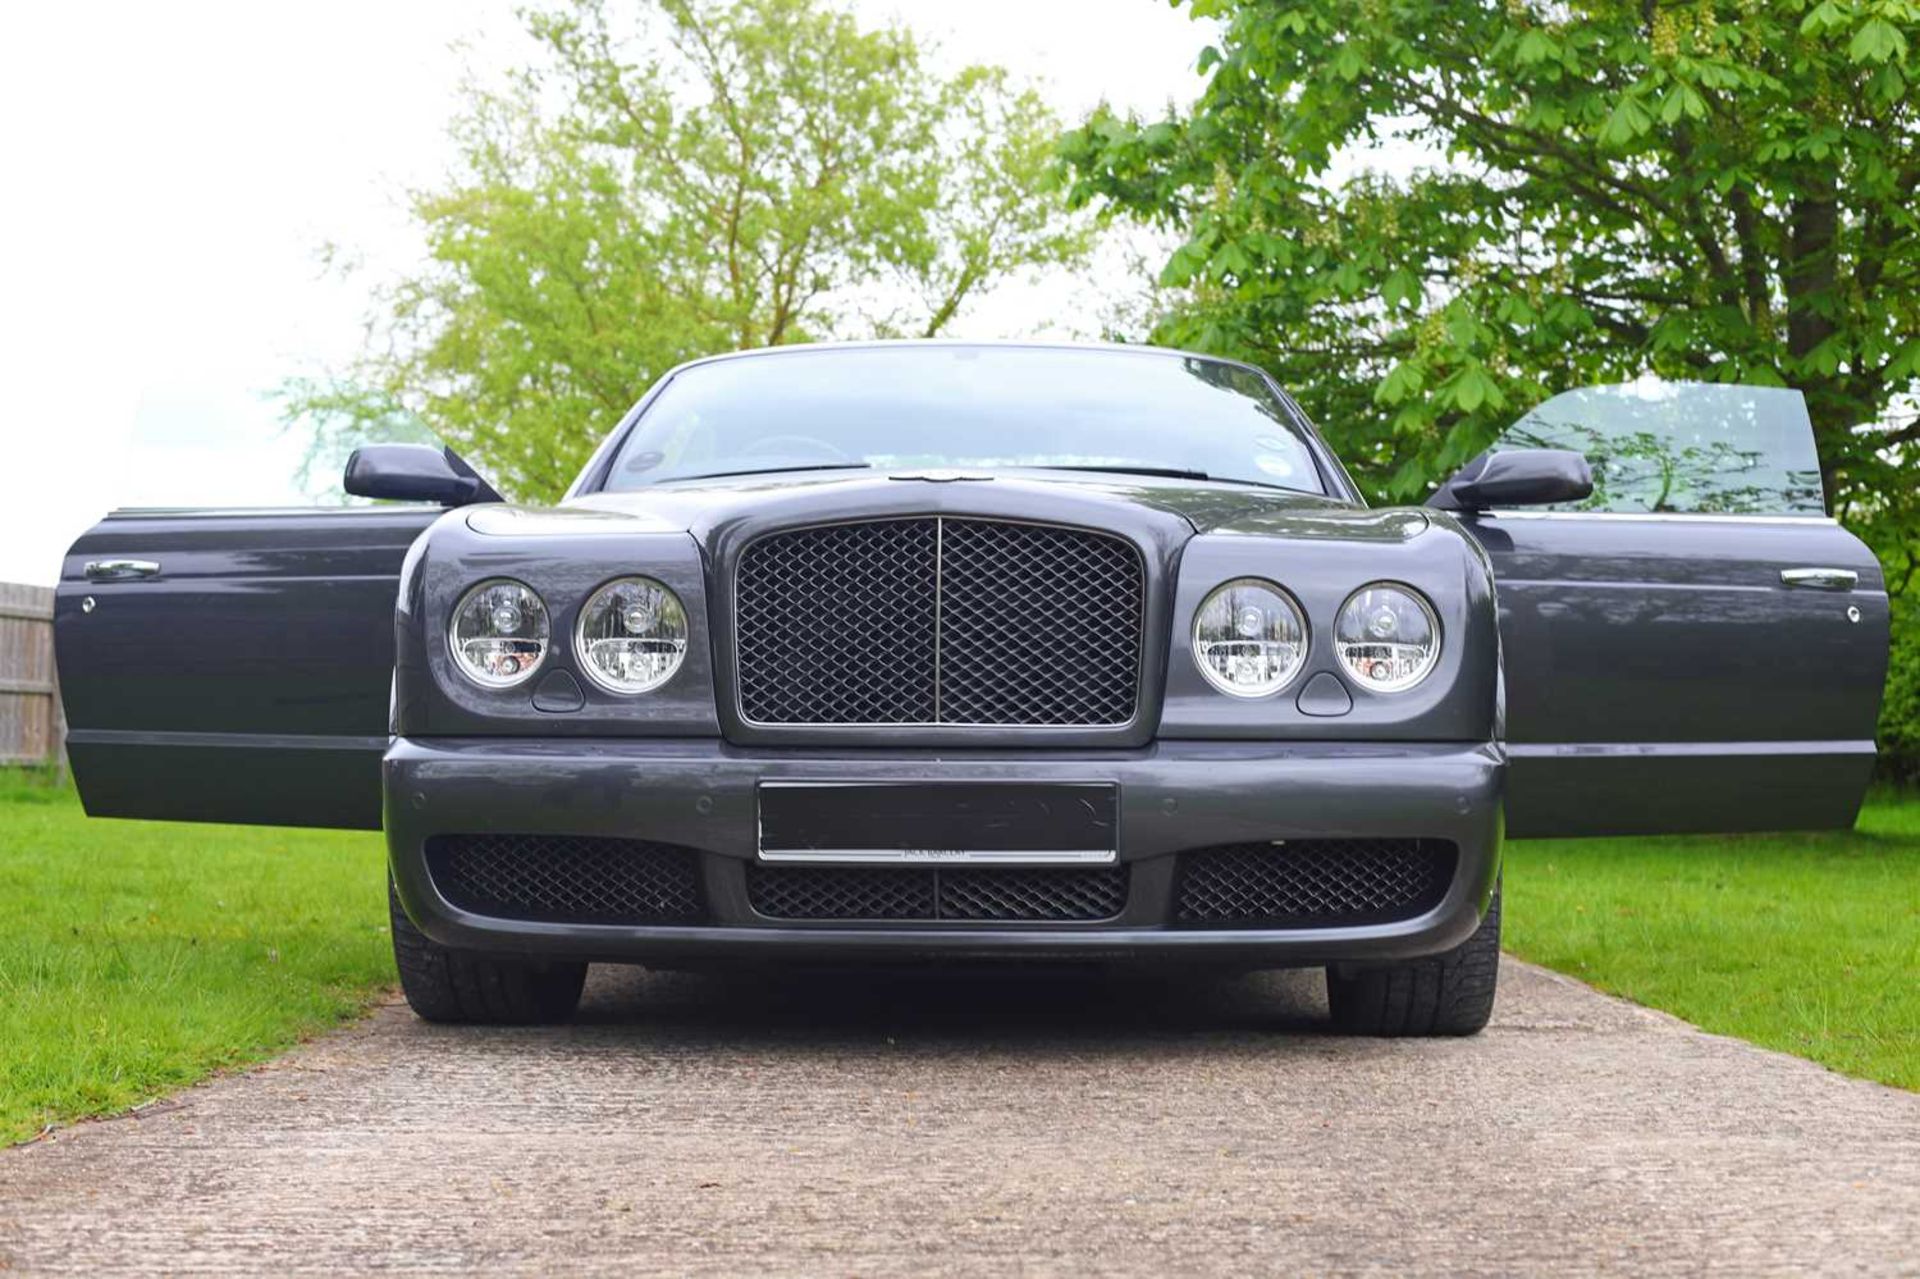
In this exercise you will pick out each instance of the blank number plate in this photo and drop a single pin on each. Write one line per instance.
(1028, 823)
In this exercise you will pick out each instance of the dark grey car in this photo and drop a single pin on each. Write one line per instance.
(946, 652)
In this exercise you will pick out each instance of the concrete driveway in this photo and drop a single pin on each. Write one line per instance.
(861, 1125)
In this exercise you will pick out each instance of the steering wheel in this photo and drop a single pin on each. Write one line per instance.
(802, 444)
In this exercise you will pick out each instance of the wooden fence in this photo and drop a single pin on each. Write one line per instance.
(31, 730)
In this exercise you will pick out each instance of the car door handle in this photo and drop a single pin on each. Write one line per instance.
(120, 570)
(1820, 579)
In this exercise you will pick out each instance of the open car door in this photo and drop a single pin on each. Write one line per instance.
(225, 665)
(1696, 646)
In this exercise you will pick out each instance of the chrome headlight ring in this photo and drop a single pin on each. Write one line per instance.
(1387, 637)
(631, 636)
(499, 633)
(1249, 638)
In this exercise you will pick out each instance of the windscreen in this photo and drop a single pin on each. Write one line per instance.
(967, 407)
(1684, 447)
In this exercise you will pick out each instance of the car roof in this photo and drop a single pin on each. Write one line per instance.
(983, 344)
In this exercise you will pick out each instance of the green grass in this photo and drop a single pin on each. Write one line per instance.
(1805, 943)
(137, 957)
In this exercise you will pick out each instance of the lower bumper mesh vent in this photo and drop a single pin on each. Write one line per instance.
(937, 893)
(1312, 883)
(568, 878)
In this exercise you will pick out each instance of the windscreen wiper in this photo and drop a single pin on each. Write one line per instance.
(1162, 472)
(768, 470)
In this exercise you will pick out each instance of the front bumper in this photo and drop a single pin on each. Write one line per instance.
(1174, 796)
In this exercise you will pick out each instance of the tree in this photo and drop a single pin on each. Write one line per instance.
(713, 175)
(1719, 190)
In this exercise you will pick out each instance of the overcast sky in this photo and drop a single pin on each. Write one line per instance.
(172, 169)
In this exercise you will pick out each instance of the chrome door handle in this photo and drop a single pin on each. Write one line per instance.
(119, 570)
(1820, 579)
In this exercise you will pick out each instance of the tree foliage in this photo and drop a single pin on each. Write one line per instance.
(1720, 190)
(703, 175)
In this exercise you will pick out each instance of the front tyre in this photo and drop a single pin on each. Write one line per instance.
(1445, 994)
(442, 984)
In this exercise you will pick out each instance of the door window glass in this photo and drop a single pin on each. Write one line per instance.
(220, 449)
(1686, 447)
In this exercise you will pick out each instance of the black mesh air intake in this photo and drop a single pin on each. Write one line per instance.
(568, 878)
(1010, 894)
(939, 620)
(1312, 883)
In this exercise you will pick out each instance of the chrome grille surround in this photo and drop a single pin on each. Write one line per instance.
(939, 621)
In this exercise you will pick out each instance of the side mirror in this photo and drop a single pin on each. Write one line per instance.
(1516, 477)
(415, 473)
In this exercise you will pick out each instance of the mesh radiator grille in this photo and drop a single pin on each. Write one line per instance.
(939, 621)
(944, 893)
(568, 878)
(1312, 882)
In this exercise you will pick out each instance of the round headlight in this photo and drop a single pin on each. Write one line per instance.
(632, 635)
(499, 633)
(1249, 638)
(1387, 637)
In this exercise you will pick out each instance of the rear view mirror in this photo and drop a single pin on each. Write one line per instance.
(415, 473)
(1516, 477)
